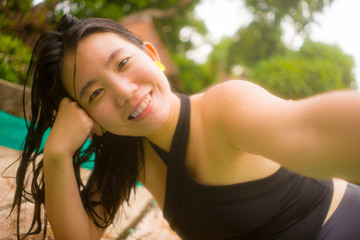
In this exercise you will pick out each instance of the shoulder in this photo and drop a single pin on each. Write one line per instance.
(215, 106)
(232, 92)
(223, 100)
(246, 112)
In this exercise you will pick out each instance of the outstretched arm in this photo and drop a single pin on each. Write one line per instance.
(67, 216)
(317, 136)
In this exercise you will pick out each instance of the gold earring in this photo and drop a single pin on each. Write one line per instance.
(160, 65)
(103, 130)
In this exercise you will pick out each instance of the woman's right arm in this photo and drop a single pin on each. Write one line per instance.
(68, 218)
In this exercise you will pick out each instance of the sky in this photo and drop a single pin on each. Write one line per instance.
(337, 24)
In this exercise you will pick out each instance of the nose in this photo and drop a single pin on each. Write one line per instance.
(124, 90)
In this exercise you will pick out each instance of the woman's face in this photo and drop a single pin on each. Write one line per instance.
(118, 84)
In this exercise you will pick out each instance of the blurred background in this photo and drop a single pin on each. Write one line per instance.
(293, 48)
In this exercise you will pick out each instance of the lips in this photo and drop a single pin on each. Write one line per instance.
(140, 108)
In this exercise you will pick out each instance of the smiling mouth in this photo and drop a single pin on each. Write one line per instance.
(140, 109)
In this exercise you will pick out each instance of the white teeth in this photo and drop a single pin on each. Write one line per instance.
(144, 104)
(141, 108)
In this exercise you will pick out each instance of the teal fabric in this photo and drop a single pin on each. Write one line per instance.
(13, 132)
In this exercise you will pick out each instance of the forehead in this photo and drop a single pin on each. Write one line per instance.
(92, 51)
(101, 43)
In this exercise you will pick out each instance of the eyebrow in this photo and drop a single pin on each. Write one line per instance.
(112, 56)
(109, 60)
(86, 87)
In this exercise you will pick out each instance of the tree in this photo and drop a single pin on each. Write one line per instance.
(194, 76)
(315, 68)
(14, 59)
(258, 48)
(261, 39)
(301, 12)
(22, 20)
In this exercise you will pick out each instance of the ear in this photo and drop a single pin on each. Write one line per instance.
(151, 51)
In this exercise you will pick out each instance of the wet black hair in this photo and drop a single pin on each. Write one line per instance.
(118, 159)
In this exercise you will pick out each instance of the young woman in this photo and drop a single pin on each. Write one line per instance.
(233, 162)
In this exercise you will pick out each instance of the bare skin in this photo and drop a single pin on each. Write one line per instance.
(205, 160)
(238, 131)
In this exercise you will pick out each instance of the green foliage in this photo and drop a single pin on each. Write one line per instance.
(219, 59)
(334, 54)
(5, 22)
(169, 29)
(24, 5)
(256, 42)
(260, 40)
(300, 11)
(315, 68)
(112, 9)
(259, 49)
(14, 59)
(194, 77)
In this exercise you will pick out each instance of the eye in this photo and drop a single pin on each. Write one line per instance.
(122, 64)
(95, 94)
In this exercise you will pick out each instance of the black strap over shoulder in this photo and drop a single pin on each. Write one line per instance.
(177, 160)
(164, 155)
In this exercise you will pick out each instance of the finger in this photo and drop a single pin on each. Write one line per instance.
(65, 100)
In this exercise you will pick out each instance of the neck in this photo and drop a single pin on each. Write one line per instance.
(163, 136)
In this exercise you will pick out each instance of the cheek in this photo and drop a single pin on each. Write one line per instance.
(101, 114)
(146, 68)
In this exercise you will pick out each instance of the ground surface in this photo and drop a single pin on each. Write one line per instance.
(142, 220)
